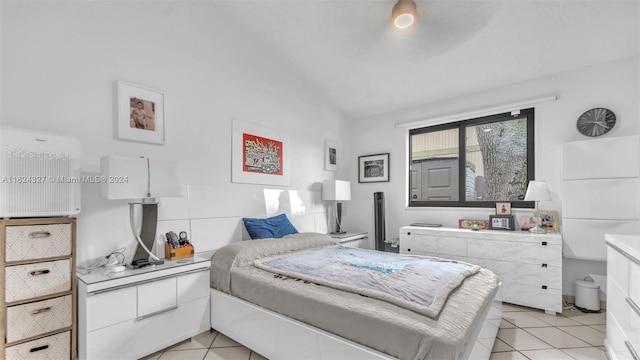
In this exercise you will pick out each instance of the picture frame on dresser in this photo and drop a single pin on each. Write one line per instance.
(503, 208)
(549, 220)
(501, 222)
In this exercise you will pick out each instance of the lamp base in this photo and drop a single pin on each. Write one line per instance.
(538, 230)
(137, 264)
(338, 233)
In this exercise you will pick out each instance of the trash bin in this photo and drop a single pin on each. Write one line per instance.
(587, 296)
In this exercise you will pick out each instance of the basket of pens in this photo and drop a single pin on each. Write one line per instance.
(177, 246)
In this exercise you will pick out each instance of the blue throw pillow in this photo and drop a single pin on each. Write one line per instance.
(273, 227)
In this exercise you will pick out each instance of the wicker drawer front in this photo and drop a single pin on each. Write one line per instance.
(37, 318)
(54, 347)
(28, 242)
(33, 280)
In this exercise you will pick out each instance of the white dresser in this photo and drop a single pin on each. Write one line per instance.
(131, 314)
(529, 265)
(38, 293)
(623, 297)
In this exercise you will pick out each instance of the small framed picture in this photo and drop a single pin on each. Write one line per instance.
(466, 224)
(140, 116)
(503, 208)
(373, 168)
(501, 222)
(549, 220)
(528, 222)
(331, 150)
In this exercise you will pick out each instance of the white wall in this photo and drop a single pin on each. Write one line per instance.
(613, 85)
(59, 64)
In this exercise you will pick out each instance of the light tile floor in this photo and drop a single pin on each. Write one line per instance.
(525, 333)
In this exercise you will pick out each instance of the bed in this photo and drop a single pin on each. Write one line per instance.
(283, 314)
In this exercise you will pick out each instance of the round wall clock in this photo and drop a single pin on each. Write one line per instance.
(596, 122)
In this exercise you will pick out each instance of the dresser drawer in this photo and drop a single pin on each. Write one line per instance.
(634, 282)
(433, 244)
(533, 296)
(115, 306)
(54, 347)
(37, 318)
(626, 311)
(29, 242)
(615, 340)
(526, 253)
(432, 254)
(527, 274)
(618, 268)
(33, 280)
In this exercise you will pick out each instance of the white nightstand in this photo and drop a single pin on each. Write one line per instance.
(350, 239)
(133, 313)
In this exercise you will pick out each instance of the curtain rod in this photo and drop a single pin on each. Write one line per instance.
(476, 113)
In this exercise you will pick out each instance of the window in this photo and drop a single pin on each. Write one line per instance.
(472, 163)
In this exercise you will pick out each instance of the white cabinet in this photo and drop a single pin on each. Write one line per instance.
(529, 265)
(623, 297)
(602, 198)
(38, 301)
(134, 313)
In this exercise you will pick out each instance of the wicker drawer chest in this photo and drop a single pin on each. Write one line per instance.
(38, 294)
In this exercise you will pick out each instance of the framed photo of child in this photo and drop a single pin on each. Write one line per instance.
(503, 208)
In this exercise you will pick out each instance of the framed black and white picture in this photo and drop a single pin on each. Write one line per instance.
(331, 151)
(140, 114)
(373, 168)
(501, 222)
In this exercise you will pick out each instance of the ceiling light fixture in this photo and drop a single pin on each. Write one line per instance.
(403, 13)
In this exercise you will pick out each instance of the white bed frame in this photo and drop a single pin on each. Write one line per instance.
(278, 337)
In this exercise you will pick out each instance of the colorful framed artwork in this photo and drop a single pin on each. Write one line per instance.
(503, 208)
(331, 151)
(259, 155)
(373, 168)
(140, 113)
(549, 220)
(501, 222)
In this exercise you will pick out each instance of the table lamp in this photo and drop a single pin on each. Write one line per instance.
(337, 190)
(141, 180)
(537, 191)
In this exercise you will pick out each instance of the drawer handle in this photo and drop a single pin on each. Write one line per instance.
(40, 311)
(544, 243)
(39, 234)
(43, 347)
(544, 287)
(39, 272)
(408, 233)
(156, 313)
(633, 305)
(632, 350)
(544, 265)
(408, 250)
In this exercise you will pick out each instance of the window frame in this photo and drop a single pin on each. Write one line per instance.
(462, 159)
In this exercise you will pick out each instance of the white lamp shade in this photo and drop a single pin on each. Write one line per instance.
(537, 191)
(129, 178)
(337, 190)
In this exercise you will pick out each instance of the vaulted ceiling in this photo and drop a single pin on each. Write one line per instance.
(350, 53)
